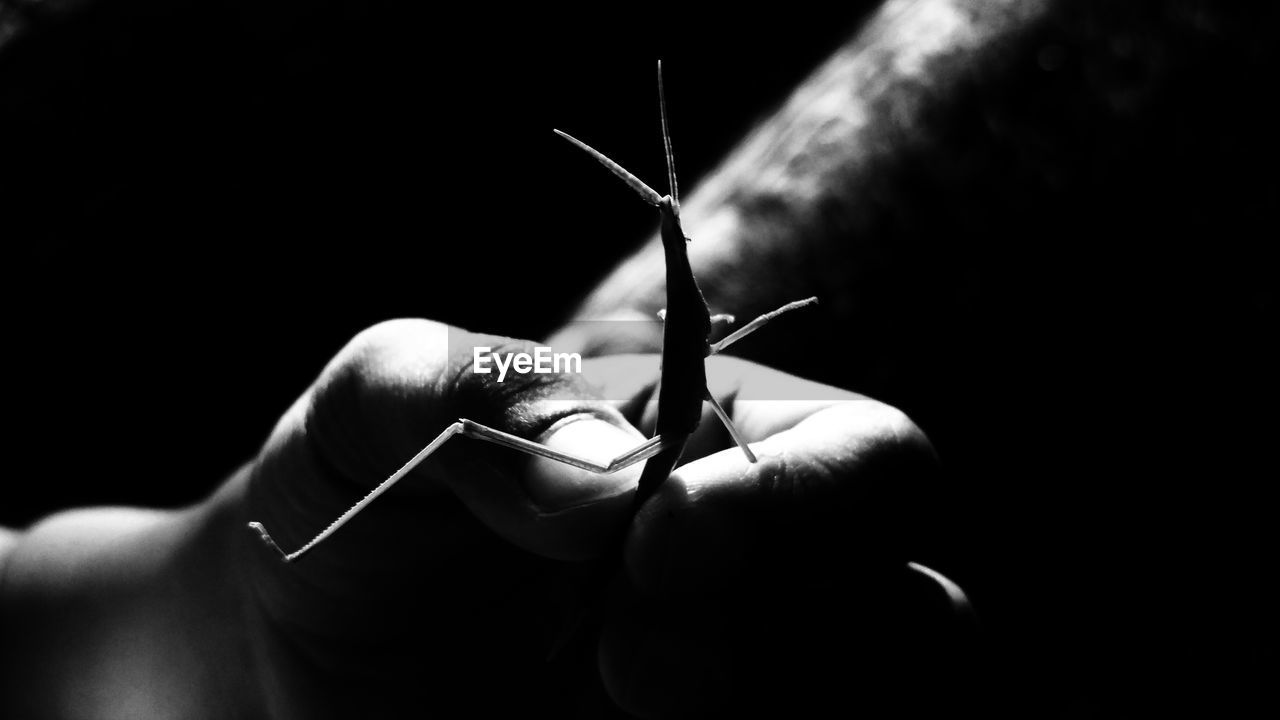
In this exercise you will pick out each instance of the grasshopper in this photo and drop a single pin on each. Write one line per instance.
(686, 344)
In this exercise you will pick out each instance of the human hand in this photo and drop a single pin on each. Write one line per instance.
(449, 591)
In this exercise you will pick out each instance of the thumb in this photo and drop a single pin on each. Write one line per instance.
(391, 391)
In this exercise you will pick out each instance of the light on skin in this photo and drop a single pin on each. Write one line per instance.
(125, 614)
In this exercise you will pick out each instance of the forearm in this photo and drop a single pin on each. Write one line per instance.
(806, 203)
(114, 612)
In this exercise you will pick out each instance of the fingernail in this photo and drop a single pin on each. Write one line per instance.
(555, 486)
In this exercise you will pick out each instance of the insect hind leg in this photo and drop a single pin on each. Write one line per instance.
(373, 494)
(471, 429)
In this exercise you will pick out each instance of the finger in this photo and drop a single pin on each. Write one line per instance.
(392, 390)
(848, 486)
(761, 401)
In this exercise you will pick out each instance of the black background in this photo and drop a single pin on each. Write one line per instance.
(206, 200)
(203, 201)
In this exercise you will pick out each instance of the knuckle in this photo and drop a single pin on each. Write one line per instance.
(372, 403)
(386, 341)
(390, 354)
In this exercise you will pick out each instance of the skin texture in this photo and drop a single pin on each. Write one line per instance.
(796, 209)
(460, 582)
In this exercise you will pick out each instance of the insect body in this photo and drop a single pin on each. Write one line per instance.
(683, 384)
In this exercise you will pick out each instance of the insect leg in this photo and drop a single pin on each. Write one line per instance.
(728, 425)
(382, 487)
(643, 451)
(758, 323)
(468, 428)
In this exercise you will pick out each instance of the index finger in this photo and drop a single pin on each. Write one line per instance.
(760, 400)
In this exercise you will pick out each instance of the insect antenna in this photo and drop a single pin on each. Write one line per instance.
(650, 195)
(666, 144)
